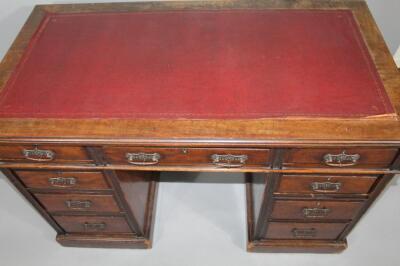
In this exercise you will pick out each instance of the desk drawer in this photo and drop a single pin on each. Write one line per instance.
(44, 154)
(63, 180)
(325, 184)
(78, 202)
(318, 231)
(340, 158)
(93, 224)
(218, 157)
(315, 210)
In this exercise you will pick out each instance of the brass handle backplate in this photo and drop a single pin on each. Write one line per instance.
(39, 155)
(304, 232)
(341, 160)
(78, 204)
(94, 226)
(229, 160)
(62, 181)
(316, 212)
(325, 186)
(143, 158)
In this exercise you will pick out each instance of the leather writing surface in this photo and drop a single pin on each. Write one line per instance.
(196, 64)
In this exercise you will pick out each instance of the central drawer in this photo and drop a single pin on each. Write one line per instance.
(78, 202)
(218, 157)
(320, 210)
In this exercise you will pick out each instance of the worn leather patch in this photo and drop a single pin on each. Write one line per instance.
(226, 64)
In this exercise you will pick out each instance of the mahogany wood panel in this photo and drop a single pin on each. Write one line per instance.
(58, 202)
(341, 184)
(188, 156)
(151, 211)
(304, 230)
(80, 180)
(368, 158)
(93, 224)
(334, 210)
(266, 205)
(258, 191)
(135, 187)
(62, 154)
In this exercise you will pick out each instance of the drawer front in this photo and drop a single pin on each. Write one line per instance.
(325, 184)
(218, 157)
(319, 210)
(63, 180)
(340, 158)
(318, 231)
(78, 202)
(44, 154)
(93, 224)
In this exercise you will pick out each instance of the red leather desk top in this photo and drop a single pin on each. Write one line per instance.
(198, 65)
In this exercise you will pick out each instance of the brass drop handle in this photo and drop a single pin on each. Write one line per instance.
(341, 160)
(304, 232)
(229, 160)
(78, 204)
(316, 212)
(39, 155)
(62, 181)
(325, 186)
(94, 226)
(143, 159)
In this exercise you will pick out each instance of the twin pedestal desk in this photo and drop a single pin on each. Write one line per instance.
(302, 96)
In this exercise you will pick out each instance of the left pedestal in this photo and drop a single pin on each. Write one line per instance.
(93, 208)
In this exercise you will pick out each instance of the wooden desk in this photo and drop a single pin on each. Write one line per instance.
(96, 100)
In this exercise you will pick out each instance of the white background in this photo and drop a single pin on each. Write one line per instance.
(200, 218)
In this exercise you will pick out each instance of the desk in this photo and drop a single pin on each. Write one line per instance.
(96, 100)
